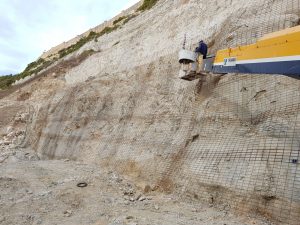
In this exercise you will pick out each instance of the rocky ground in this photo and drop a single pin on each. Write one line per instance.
(46, 192)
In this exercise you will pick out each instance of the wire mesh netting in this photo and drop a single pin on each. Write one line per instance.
(246, 144)
(231, 141)
(238, 142)
(256, 19)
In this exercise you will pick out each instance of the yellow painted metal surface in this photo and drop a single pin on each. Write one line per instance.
(278, 44)
(281, 33)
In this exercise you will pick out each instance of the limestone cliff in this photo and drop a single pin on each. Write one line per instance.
(232, 139)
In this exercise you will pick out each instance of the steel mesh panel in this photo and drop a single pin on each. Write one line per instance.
(257, 18)
(233, 141)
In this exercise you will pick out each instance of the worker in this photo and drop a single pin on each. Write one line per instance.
(201, 55)
(202, 49)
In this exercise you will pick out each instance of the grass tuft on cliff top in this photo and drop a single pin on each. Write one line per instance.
(147, 4)
(34, 67)
(6, 81)
(119, 20)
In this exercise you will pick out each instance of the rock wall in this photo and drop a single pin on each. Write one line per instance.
(231, 140)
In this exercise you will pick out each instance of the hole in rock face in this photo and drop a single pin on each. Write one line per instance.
(294, 161)
(269, 198)
(195, 137)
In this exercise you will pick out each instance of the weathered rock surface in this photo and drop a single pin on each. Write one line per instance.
(232, 140)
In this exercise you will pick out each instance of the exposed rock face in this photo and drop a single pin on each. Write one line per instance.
(125, 108)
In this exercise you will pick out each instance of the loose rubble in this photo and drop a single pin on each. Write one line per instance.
(47, 194)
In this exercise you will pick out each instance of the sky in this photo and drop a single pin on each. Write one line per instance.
(29, 27)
